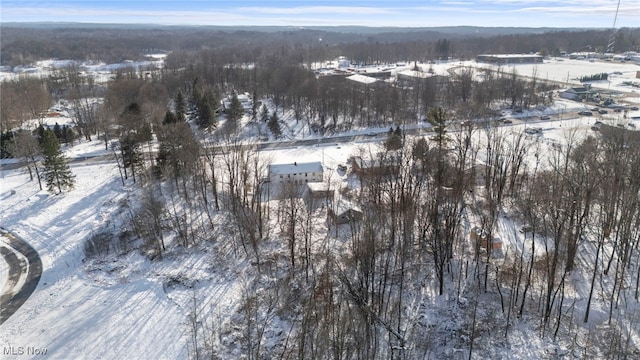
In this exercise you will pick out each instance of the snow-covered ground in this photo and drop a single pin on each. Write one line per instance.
(99, 71)
(128, 307)
(134, 308)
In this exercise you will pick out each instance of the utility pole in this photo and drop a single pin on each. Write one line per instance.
(612, 38)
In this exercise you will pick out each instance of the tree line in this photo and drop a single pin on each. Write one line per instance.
(24, 45)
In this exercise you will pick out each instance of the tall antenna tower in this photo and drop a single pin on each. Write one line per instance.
(612, 38)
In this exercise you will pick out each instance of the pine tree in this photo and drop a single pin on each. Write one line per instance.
(131, 154)
(274, 125)
(234, 114)
(206, 115)
(57, 173)
(170, 118)
(438, 120)
(67, 134)
(254, 106)
(264, 113)
(394, 139)
(181, 107)
(58, 131)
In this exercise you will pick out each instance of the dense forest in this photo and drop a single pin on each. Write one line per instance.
(22, 45)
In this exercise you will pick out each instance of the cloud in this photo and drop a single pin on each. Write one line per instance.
(531, 13)
(354, 10)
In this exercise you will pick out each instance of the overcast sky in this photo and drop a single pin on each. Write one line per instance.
(502, 13)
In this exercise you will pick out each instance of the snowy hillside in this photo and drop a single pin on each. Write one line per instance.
(220, 292)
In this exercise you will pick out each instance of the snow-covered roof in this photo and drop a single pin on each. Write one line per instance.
(344, 206)
(295, 168)
(317, 186)
(415, 74)
(367, 80)
(510, 56)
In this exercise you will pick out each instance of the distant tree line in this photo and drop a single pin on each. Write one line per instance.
(594, 77)
(24, 45)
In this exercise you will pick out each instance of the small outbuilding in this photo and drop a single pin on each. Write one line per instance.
(318, 193)
(344, 214)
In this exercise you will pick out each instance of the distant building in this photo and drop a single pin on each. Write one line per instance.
(410, 77)
(373, 168)
(343, 62)
(509, 58)
(374, 73)
(578, 93)
(245, 101)
(583, 55)
(296, 173)
(363, 79)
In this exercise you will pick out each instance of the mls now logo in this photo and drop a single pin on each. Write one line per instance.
(23, 350)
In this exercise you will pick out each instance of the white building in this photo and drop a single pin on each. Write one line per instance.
(245, 101)
(296, 173)
(509, 58)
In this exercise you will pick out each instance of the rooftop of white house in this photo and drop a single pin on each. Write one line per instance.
(295, 168)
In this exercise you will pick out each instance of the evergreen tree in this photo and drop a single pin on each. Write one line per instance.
(67, 135)
(39, 133)
(235, 111)
(394, 139)
(170, 118)
(6, 138)
(264, 113)
(274, 125)
(135, 131)
(58, 131)
(206, 115)
(57, 173)
(131, 154)
(254, 106)
(181, 107)
(438, 120)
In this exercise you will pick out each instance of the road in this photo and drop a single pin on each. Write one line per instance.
(415, 129)
(341, 139)
(24, 263)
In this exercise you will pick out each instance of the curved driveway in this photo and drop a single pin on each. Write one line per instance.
(13, 296)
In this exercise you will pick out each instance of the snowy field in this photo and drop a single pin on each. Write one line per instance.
(133, 308)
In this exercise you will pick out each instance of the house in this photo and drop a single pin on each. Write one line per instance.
(344, 214)
(373, 167)
(578, 93)
(296, 173)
